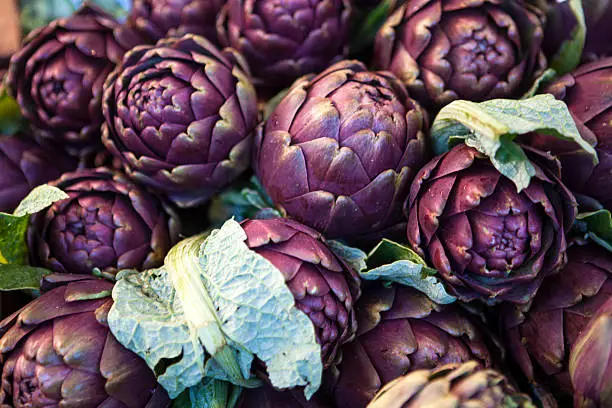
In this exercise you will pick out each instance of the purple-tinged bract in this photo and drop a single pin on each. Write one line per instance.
(590, 362)
(540, 335)
(157, 19)
(583, 91)
(283, 40)
(444, 50)
(58, 351)
(324, 287)
(107, 223)
(401, 330)
(466, 385)
(487, 240)
(24, 165)
(340, 150)
(181, 116)
(57, 76)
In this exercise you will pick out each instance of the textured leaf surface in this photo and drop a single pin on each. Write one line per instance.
(491, 126)
(213, 307)
(393, 262)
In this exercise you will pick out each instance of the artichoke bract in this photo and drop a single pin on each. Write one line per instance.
(452, 385)
(107, 223)
(444, 50)
(401, 330)
(181, 115)
(24, 165)
(283, 40)
(268, 397)
(540, 336)
(582, 91)
(57, 76)
(157, 19)
(488, 241)
(340, 150)
(591, 361)
(324, 287)
(59, 351)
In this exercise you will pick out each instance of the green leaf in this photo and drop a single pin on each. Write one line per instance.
(393, 262)
(354, 257)
(11, 120)
(209, 393)
(491, 126)
(596, 226)
(547, 76)
(213, 307)
(13, 228)
(244, 201)
(366, 25)
(21, 277)
(568, 56)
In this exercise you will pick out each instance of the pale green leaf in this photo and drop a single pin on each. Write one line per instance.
(354, 257)
(38, 199)
(491, 126)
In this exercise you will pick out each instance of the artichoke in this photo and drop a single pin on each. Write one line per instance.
(25, 165)
(597, 14)
(268, 397)
(57, 76)
(465, 385)
(444, 50)
(283, 40)
(324, 287)
(402, 330)
(340, 150)
(181, 115)
(582, 91)
(487, 240)
(590, 362)
(58, 351)
(541, 335)
(107, 223)
(157, 19)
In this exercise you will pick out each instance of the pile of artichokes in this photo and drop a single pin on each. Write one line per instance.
(307, 204)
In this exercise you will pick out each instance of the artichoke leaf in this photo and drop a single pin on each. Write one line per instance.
(595, 226)
(392, 262)
(491, 126)
(209, 311)
(13, 227)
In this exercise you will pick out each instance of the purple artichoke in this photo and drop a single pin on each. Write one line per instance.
(58, 351)
(444, 50)
(466, 385)
(402, 330)
(597, 14)
(324, 287)
(541, 335)
(340, 150)
(107, 223)
(590, 362)
(487, 240)
(582, 91)
(283, 40)
(268, 397)
(25, 165)
(57, 76)
(181, 115)
(157, 19)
